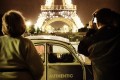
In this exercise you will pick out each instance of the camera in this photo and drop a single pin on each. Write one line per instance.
(94, 20)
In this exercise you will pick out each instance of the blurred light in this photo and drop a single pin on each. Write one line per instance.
(49, 2)
(28, 23)
(68, 2)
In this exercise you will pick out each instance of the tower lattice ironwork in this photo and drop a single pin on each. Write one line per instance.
(58, 18)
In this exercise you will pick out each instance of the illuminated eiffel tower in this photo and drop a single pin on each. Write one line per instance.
(58, 18)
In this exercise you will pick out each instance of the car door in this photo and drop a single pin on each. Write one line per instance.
(60, 62)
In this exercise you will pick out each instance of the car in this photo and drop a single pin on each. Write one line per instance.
(61, 60)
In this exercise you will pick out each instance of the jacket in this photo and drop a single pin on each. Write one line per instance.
(19, 59)
(103, 50)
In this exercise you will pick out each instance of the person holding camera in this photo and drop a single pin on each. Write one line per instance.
(102, 46)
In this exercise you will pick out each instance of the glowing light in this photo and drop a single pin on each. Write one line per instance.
(49, 3)
(68, 2)
(77, 21)
(28, 23)
(67, 11)
(39, 22)
(49, 29)
(65, 29)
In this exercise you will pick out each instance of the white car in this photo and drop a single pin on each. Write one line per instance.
(60, 58)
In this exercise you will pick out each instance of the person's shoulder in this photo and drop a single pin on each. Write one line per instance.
(91, 32)
(25, 40)
(3, 37)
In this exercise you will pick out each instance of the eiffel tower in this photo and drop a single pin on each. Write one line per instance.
(56, 17)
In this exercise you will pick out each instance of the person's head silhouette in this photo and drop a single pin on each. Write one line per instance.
(13, 23)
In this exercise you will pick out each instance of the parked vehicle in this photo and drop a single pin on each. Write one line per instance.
(60, 58)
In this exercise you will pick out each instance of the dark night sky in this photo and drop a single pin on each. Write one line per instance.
(31, 8)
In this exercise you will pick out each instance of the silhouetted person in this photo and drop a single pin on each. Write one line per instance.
(19, 59)
(103, 47)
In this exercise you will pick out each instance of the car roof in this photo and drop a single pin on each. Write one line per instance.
(48, 37)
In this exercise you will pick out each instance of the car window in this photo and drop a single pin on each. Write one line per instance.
(41, 50)
(56, 53)
(60, 54)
